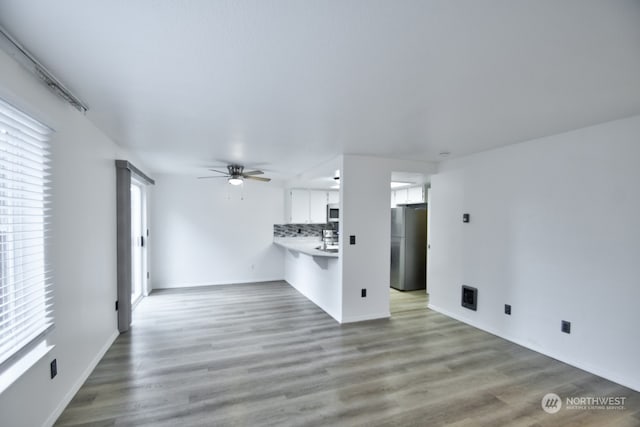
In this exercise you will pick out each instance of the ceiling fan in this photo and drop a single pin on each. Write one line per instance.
(236, 175)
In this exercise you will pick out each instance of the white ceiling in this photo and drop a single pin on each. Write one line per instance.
(287, 85)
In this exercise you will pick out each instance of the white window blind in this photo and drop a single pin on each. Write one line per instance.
(26, 311)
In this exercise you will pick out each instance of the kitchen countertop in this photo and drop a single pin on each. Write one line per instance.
(305, 246)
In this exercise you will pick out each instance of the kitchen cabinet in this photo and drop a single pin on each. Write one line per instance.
(400, 196)
(308, 206)
(409, 195)
(334, 196)
(299, 207)
(318, 206)
(415, 194)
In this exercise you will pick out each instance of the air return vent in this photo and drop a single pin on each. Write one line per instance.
(469, 297)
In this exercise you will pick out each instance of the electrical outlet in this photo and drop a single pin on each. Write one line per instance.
(54, 368)
(466, 217)
(352, 240)
(363, 293)
(507, 309)
(566, 327)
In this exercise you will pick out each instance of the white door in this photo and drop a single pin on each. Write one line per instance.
(138, 243)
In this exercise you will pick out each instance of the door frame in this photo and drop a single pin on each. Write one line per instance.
(124, 173)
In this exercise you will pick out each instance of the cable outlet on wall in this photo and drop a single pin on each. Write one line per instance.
(363, 292)
(507, 309)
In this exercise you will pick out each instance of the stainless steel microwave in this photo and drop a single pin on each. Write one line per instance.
(333, 212)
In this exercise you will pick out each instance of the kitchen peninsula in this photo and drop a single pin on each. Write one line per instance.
(306, 246)
(313, 272)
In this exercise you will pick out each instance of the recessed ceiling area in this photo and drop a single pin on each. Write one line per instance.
(288, 85)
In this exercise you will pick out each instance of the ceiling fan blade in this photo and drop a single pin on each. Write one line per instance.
(257, 178)
(256, 172)
(215, 170)
(207, 177)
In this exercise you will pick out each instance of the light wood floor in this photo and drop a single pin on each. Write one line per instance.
(262, 354)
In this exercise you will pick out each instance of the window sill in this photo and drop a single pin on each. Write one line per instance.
(19, 367)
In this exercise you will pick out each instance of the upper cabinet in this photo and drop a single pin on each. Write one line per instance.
(415, 194)
(298, 207)
(308, 206)
(334, 196)
(318, 206)
(407, 196)
(400, 196)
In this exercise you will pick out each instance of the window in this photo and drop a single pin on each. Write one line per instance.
(26, 312)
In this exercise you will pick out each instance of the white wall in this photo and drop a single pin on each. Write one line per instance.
(554, 232)
(317, 278)
(365, 213)
(203, 233)
(83, 251)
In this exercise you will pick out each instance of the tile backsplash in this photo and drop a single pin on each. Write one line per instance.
(301, 230)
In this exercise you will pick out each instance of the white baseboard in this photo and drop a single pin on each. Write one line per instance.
(363, 318)
(201, 284)
(596, 370)
(72, 392)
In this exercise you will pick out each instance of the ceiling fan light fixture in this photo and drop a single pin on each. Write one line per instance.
(234, 180)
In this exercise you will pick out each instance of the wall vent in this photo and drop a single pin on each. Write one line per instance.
(469, 297)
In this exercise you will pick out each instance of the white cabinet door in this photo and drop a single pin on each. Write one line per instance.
(415, 195)
(400, 196)
(317, 206)
(299, 207)
(334, 196)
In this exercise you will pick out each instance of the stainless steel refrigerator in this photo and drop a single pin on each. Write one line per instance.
(408, 248)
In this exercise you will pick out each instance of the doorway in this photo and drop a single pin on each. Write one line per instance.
(139, 236)
(133, 232)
